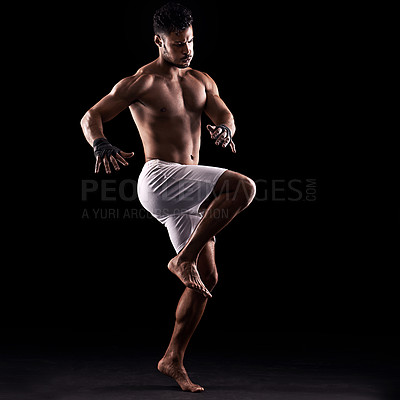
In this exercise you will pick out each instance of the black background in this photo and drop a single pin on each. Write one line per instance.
(290, 75)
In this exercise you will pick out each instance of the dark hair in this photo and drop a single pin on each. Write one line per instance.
(171, 17)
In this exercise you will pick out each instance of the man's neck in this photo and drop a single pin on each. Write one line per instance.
(168, 69)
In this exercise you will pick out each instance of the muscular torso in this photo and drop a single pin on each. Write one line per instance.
(167, 111)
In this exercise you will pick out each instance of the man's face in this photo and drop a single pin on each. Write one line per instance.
(177, 47)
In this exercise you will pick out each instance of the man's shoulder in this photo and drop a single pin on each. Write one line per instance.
(141, 79)
(203, 77)
(198, 74)
(142, 74)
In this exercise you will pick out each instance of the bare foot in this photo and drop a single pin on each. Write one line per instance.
(178, 372)
(187, 272)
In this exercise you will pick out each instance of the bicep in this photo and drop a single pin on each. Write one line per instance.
(109, 107)
(215, 107)
(116, 101)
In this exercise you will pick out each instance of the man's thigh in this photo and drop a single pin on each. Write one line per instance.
(228, 182)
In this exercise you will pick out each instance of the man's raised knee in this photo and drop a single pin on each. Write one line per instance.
(246, 189)
(250, 189)
(238, 188)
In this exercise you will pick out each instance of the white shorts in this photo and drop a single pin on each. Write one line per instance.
(173, 193)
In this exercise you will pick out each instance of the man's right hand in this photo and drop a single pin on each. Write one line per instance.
(106, 153)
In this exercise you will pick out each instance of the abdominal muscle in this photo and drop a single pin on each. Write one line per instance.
(170, 139)
(187, 155)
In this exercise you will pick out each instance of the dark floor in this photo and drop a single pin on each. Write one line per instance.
(120, 372)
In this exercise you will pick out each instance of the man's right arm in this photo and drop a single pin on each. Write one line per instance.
(120, 97)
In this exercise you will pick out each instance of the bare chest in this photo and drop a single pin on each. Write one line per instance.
(175, 97)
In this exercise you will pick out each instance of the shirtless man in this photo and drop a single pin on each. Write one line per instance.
(166, 99)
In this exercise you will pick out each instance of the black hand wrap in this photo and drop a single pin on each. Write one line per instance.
(228, 137)
(103, 148)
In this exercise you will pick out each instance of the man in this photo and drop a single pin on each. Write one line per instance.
(166, 99)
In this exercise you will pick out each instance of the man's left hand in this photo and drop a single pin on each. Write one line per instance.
(221, 136)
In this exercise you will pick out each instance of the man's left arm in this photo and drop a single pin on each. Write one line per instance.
(219, 113)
